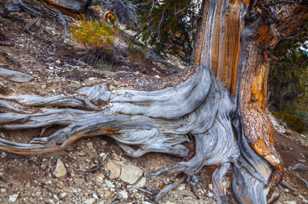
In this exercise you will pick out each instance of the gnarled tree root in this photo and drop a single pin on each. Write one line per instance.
(143, 122)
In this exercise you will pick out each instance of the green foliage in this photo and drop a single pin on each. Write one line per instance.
(291, 120)
(93, 34)
(289, 67)
(288, 80)
(169, 26)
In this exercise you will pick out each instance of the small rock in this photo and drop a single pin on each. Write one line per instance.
(123, 195)
(108, 195)
(95, 195)
(49, 182)
(3, 154)
(290, 202)
(181, 187)
(28, 185)
(141, 183)
(302, 160)
(146, 202)
(210, 194)
(55, 197)
(60, 170)
(92, 78)
(62, 195)
(3, 190)
(50, 201)
(13, 198)
(89, 201)
(114, 168)
(130, 174)
(109, 184)
(82, 153)
(103, 156)
(100, 178)
(76, 190)
(169, 202)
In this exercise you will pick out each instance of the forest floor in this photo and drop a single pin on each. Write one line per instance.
(96, 170)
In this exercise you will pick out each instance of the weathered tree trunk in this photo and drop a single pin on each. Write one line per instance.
(231, 49)
(237, 52)
(231, 131)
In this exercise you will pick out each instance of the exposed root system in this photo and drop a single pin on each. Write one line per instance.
(143, 122)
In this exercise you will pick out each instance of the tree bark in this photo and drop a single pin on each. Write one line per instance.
(237, 52)
(223, 106)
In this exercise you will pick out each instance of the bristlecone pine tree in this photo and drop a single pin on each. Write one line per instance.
(223, 106)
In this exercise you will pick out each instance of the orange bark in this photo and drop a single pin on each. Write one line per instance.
(224, 52)
(224, 47)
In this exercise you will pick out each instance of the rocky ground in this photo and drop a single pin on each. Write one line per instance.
(96, 170)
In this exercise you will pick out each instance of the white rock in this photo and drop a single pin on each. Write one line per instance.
(100, 178)
(3, 154)
(60, 170)
(210, 194)
(286, 190)
(123, 194)
(13, 198)
(92, 78)
(62, 195)
(114, 168)
(290, 202)
(102, 154)
(141, 183)
(55, 197)
(50, 201)
(109, 184)
(95, 195)
(181, 187)
(146, 202)
(130, 173)
(89, 201)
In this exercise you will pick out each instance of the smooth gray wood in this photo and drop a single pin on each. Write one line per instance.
(14, 76)
(151, 121)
